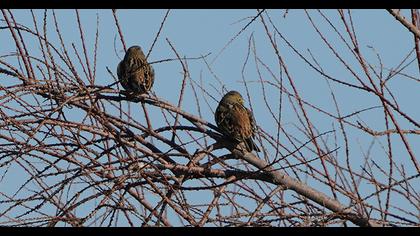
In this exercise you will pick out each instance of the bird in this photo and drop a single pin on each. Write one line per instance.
(135, 74)
(235, 120)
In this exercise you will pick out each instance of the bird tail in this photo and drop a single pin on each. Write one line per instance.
(250, 145)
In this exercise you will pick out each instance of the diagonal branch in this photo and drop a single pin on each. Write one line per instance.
(412, 28)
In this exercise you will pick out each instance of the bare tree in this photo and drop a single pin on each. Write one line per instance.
(85, 159)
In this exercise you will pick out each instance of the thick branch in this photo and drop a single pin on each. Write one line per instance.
(412, 28)
(281, 178)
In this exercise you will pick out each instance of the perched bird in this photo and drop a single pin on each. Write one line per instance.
(136, 75)
(235, 120)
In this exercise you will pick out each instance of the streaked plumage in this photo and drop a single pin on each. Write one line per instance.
(235, 120)
(136, 75)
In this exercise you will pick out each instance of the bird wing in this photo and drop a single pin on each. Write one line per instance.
(237, 122)
(252, 121)
(224, 120)
(234, 121)
(243, 124)
(119, 70)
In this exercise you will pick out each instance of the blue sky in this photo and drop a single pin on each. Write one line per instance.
(195, 33)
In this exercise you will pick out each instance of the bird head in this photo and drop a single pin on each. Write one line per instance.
(134, 51)
(232, 97)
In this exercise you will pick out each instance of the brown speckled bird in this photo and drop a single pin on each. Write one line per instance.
(235, 120)
(136, 75)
